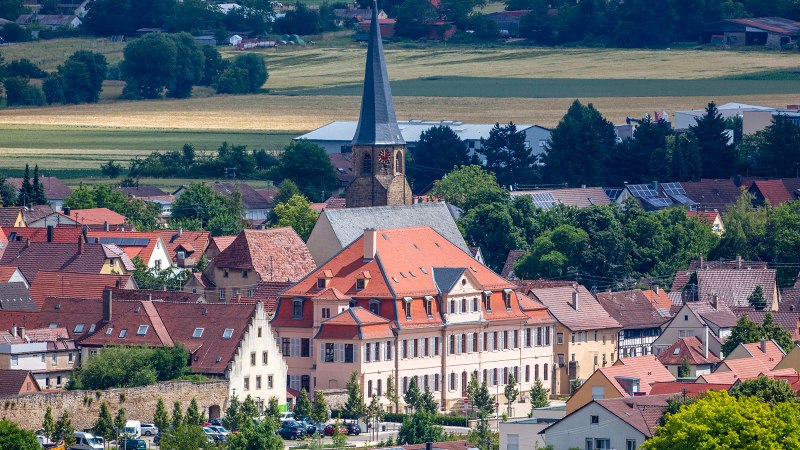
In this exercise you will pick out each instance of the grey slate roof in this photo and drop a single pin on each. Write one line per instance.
(377, 124)
(15, 297)
(446, 277)
(349, 223)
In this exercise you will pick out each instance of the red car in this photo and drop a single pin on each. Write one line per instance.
(329, 429)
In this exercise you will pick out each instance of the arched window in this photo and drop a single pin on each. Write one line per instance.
(536, 371)
(544, 372)
(398, 162)
(464, 383)
(366, 167)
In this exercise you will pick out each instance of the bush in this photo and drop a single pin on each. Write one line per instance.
(24, 68)
(21, 93)
(246, 75)
(129, 367)
(455, 420)
(11, 32)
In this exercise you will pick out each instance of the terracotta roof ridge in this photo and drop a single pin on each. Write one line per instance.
(158, 325)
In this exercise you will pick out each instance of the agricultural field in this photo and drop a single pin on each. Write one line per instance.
(309, 87)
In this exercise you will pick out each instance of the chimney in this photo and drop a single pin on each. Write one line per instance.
(107, 301)
(701, 261)
(657, 289)
(105, 226)
(27, 242)
(763, 345)
(14, 330)
(180, 231)
(80, 245)
(49, 233)
(655, 186)
(370, 244)
(738, 261)
(21, 333)
(67, 210)
(576, 300)
(715, 301)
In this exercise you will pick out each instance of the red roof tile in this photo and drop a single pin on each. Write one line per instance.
(97, 216)
(691, 389)
(642, 413)
(590, 315)
(646, 368)
(355, 323)
(708, 217)
(120, 239)
(266, 292)
(773, 191)
(632, 309)
(12, 382)
(189, 241)
(660, 301)
(37, 256)
(54, 188)
(511, 260)
(686, 347)
(70, 284)
(276, 254)
(6, 272)
(63, 235)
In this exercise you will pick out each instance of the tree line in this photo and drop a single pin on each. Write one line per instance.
(635, 23)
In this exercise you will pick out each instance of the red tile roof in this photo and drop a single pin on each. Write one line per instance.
(70, 284)
(9, 216)
(576, 197)
(151, 294)
(690, 348)
(733, 286)
(266, 292)
(97, 216)
(12, 382)
(632, 309)
(770, 358)
(27, 319)
(692, 389)
(276, 254)
(642, 413)
(37, 256)
(194, 243)
(268, 194)
(590, 315)
(646, 368)
(54, 188)
(222, 242)
(355, 323)
(708, 217)
(64, 235)
(773, 191)
(660, 301)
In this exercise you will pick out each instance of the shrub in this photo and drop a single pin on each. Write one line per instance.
(11, 32)
(24, 68)
(20, 93)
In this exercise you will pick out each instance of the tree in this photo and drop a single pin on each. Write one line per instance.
(539, 395)
(765, 389)
(779, 155)
(119, 422)
(232, 419)
(413, 395)
(772, 331)
(10, 9)
(260, 437)
(427, 403)
(184, 437)
(249, 410)
(580, 148)
(48, 424)
(296, 213)
(16, 438)
(508, 156)
(63, 430)
(319, 410)
(213, 65)
(286, 190)
(482, 401)
(104, 425)
(685, 159)
(37, 189)
(26, 189)
(757, 300)
(111, 169)
(554, 254)
(199, 202)
(720, 420)
(8, 194)
(419, 428)
(160, 417)
(302, 21)
(467, 187)
(309, 167)
(189, 65)
(718, 158)
(273, 410)
(744, 332)
(642, 24)
(391, 393)
(149, 65)
(177, 415)
(413, 17)
(247, 74)
(354, 407)
(685, 370)
(193, 416)
(302, 409)
(82, 76)
(438, 151)
(574, 385)
(511, 391)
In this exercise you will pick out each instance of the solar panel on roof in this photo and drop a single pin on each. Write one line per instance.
(657, 202)
(613, 193)
(642, 191)
(673, 189)
(125, 242)
(543, 200)
(683, 200)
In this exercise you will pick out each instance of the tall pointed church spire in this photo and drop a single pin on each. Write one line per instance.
(377, 124)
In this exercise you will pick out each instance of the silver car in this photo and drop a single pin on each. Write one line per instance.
(148, 429)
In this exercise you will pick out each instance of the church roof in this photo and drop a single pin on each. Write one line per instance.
(377, 124)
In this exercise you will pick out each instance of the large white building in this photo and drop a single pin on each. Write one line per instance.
(336, 137)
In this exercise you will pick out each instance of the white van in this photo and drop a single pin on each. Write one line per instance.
(133, 428)
(87, 441)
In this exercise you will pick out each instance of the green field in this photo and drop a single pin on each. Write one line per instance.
(567, 87)
(81, 150)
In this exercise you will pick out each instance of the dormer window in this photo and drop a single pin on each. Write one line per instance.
(181, 254)
(487, 301)
(363, 280)
(375, 306)
(322, 283)
(429, 306)
(361, 284)
(507, 298)
(297, 309)
(407, 304)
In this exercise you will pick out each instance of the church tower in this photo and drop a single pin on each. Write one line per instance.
(378, 147)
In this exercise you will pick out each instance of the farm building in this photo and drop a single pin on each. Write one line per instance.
(508, 21)
(52, 21)
(336, 137)
(768, 31)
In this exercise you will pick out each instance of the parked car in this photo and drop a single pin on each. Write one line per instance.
(212, 434)
(157, 438)
(330, 428)
(216, 422)
(353, 428)
(148, 429)
(287, 416)
(292, 430)
(133, 444)
(133, 428)
(86, 441)
(221, 432)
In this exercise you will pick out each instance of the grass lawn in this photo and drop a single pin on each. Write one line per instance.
(51, 53)
(570, 87)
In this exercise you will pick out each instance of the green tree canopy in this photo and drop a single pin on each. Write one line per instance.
(16, 438)
(302, 409)
(149, 65)
(354, 406)
(540, 396)
(310, 168)
(160, 417)
(508, 156)
(468, 187)
(765, 389)
(259, 437)
(193, 415)
(413, 17)
(438, 151)
(189, 65)
(183, 437)
(296, 213)
(779, 156)
(319, 410)
(104, 425)
(757, 300)
(419, 428)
